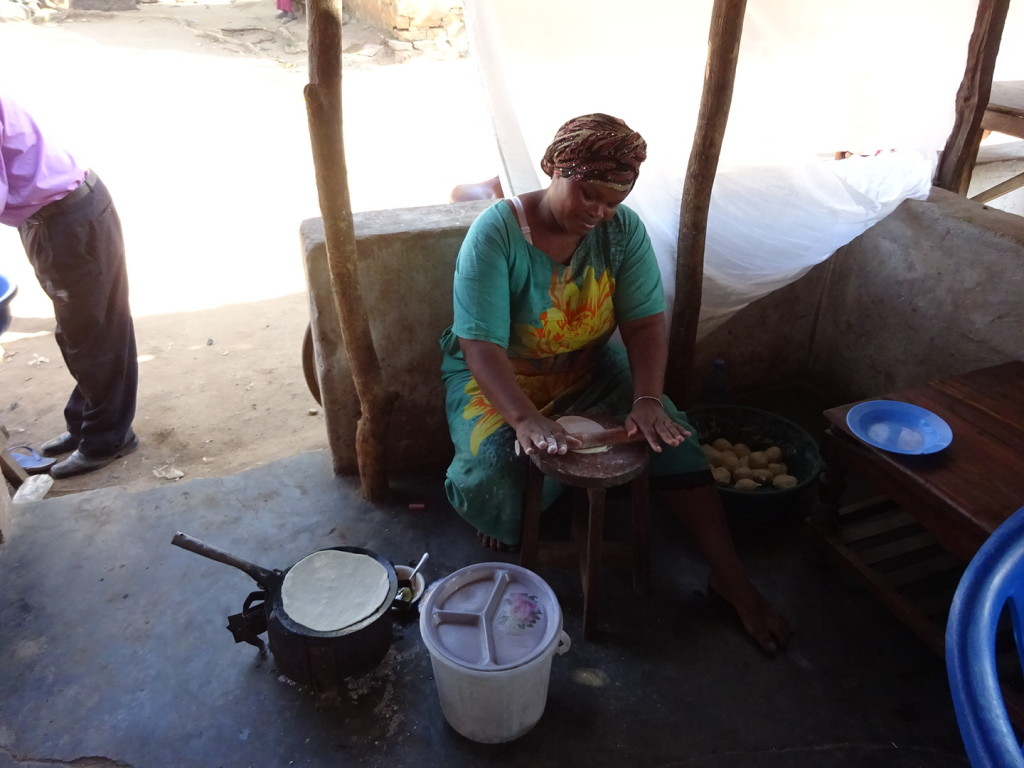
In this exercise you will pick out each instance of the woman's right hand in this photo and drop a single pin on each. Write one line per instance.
(539, 434)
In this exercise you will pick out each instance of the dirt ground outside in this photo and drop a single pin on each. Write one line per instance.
(193, 115)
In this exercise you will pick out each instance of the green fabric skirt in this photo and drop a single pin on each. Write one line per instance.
(487, 487)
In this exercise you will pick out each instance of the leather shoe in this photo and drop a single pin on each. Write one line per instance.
(78, 463)
(63, 443)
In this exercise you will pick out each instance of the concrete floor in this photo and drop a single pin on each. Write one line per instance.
(113, 650)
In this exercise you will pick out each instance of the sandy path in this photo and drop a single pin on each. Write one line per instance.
(206, 152)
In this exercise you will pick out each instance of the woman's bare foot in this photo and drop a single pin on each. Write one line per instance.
(492, 543)
(768, 628)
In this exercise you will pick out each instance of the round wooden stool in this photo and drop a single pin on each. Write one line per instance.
(594, 473)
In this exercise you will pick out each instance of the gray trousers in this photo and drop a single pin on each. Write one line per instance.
(76, 247)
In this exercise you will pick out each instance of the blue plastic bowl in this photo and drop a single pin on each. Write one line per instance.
(899, 427)
(7, 292)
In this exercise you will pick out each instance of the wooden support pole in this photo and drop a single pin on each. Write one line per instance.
(1002, 188)
(961, 151)
(719, 76)
(324, 108)
(13, 472)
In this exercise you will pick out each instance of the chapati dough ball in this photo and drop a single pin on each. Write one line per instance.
(745, 460)
(784, 481)
(729, 461)
(762, 476)
(721, 444)
(741, 450)
(722, 476)
(758, 460)
(774, 453)
(776, 468)
(714, 457)
(746, 485)
(743, 473)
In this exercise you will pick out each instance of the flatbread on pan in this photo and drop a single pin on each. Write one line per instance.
(332, 589)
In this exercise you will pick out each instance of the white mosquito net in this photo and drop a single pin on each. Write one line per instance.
(876, 78)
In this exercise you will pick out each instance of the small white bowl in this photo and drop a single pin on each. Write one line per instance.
(418, 584)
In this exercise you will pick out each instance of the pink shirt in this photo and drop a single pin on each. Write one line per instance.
(33, 171)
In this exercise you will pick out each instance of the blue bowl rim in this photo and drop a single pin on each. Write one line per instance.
(945, 433)
(9, 288)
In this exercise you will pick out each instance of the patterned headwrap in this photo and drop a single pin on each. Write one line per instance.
(597, 148)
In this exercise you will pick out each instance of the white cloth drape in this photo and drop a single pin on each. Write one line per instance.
(813, 78)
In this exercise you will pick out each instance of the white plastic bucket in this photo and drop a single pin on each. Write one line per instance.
(492, 630)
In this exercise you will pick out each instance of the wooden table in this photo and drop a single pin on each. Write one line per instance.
(1004, 114)
(1005, 110)
(911, 543)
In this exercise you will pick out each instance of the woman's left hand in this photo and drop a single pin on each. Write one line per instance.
(649, 418)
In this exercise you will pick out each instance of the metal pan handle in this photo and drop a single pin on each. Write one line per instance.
(263, 577)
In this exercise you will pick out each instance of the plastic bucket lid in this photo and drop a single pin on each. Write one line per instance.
(491, 617)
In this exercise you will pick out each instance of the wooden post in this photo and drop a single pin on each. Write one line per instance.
(723, 52)
(324, 108)
(13, 472)
(961, 151)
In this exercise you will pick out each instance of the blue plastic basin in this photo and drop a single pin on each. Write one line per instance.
(7, 292)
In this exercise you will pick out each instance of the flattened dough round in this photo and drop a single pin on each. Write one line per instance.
(580, 425)
(330, 589)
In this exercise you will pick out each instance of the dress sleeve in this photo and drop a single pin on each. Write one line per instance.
(481, 288)
(638, 289)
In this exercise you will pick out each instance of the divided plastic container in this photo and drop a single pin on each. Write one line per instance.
(492, 630)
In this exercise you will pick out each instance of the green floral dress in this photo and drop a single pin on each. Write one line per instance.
(556, 322)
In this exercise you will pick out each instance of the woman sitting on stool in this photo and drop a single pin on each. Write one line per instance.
(541, 283)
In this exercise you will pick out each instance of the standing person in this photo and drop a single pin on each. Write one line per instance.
(541, 283)
(72, 235)
(287, 13)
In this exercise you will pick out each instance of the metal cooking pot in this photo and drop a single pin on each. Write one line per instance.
(321, 660)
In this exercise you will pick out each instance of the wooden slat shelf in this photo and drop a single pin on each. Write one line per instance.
(879, 525)
(938, 562)
(913, 540)
(903, 559)
(920, 591)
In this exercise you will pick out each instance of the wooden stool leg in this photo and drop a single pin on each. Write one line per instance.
(530, 537)
(641, 535)
(12, 470)
(591, 561)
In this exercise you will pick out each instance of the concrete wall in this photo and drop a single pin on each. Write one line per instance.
(406, 263)
(424, 25)
(768, 342)
(933, 290)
